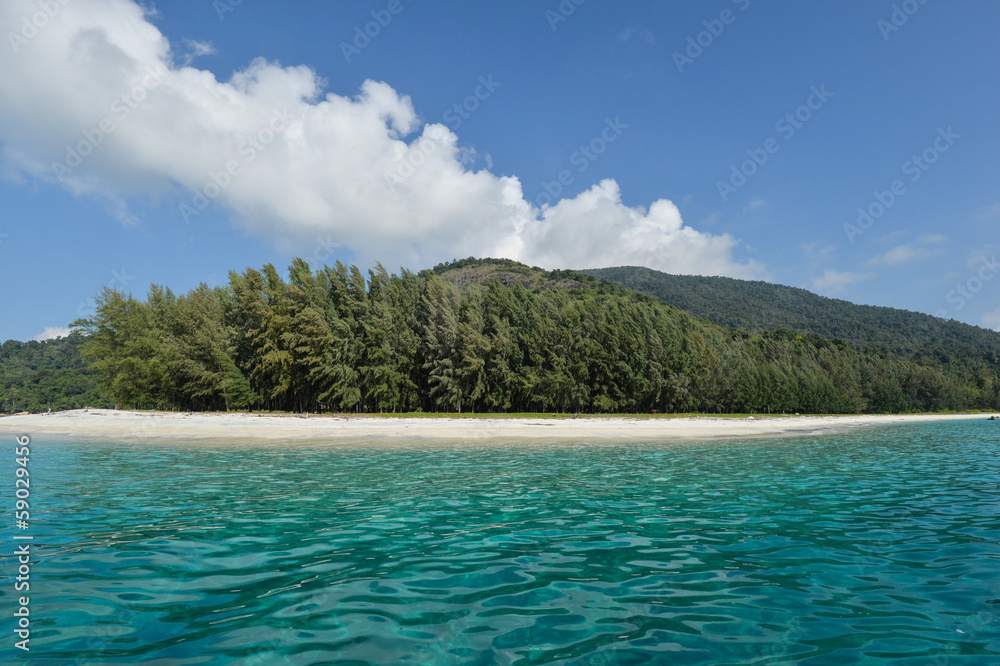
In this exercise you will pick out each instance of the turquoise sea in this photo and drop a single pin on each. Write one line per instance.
(871, 546)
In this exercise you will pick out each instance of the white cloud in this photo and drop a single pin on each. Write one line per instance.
(907, 252)
(326, 176)
(51, 333)
(991, 320)
(816, 253)
(196, 49)
(988, 213)
(754, 204)
(627, 34)
(595, 229)
(976, 256)
(890, 237)
(833, 282)
(897, 255)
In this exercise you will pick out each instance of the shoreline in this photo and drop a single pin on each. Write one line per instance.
(236, 428)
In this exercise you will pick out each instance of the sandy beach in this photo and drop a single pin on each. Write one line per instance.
(238, 428)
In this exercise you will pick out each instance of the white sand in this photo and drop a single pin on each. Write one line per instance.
(238, 428)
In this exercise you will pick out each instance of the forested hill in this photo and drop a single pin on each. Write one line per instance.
(483, 336)
(38, 376)
(761, 306)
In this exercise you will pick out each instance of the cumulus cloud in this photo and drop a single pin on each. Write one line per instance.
(51, 333)
(99, 103)
(832, 282)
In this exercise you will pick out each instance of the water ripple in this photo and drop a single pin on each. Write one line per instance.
(875, 546)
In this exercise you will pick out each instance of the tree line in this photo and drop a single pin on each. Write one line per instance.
(336, 339)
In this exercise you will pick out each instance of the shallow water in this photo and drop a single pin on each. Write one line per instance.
(873, 546)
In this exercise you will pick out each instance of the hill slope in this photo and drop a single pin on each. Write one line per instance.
(37, 376)
(760, 306)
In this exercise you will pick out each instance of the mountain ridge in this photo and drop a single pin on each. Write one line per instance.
(735, 303)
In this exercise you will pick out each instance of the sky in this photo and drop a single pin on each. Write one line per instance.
(846, 148)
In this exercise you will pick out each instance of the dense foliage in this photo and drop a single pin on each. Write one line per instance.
(762, 306)
(969, 353)
(38, 376)
(479, 335)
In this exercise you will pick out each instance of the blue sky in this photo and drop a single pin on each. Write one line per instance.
(644, 130)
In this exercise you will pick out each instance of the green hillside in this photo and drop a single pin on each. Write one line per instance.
(484, 336)
(37, 376)
(761, 306)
